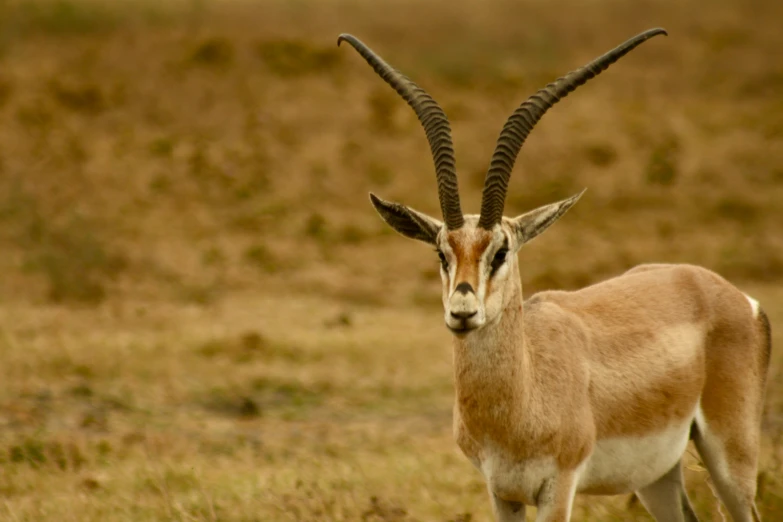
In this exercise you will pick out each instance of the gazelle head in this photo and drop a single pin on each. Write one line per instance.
(477, 252)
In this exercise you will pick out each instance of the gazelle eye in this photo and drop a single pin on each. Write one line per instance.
(499, 259)
(443, 262)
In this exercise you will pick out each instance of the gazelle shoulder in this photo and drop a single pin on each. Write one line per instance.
(546, 320)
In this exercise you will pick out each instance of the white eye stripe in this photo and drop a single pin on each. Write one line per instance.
(489, 253)
(452, 275)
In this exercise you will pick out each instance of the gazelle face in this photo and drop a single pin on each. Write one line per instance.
(475, 267)
(478, 265)
(478, 252)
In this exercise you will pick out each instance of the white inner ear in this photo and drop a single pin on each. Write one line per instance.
(430, 221)
(539, 220)
(531, 224)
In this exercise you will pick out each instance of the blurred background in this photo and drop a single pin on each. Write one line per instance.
(201, 315)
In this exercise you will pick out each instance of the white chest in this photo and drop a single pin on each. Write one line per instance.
(518, 481)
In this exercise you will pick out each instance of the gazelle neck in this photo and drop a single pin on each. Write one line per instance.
(491, 369)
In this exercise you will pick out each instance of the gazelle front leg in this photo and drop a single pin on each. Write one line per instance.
(506, 511)
(556, 498)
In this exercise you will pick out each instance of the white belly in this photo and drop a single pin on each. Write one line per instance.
(622, 465)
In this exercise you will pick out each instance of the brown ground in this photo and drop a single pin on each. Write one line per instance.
(201, 316)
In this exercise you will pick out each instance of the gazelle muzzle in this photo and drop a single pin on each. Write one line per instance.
(463, 310)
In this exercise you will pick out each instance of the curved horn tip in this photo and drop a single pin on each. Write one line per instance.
(656, 31)
(343, 36)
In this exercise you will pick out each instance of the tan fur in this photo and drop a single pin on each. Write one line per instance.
(469, 252)
(595, 390)
(553, 376)
(598, 390)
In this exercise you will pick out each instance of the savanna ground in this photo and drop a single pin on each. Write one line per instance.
(201, 316)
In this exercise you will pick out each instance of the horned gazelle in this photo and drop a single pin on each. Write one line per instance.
(595, 391)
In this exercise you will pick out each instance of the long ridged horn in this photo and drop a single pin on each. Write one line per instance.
(522, 121)
(435, 124)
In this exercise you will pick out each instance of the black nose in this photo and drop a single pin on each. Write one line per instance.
(464, 288)
(463, 315)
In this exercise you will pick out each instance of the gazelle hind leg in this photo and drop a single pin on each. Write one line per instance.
(666, 499)
(733, 472)
(727, 430)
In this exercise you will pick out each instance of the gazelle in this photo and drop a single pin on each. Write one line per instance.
(595, 391)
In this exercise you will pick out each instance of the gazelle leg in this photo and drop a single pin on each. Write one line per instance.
(732, 472)
(666, 499)
(556, 499)
(506, 511)
(728, 422)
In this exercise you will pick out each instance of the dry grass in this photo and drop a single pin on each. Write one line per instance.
(201, 318)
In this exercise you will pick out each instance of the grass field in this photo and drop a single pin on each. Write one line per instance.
(202, 317)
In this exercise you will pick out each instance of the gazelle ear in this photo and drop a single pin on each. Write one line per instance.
(529, 225)
(408, 222)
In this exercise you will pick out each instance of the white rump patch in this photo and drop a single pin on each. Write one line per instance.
(754, 305)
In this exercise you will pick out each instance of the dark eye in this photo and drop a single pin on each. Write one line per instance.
(499, 259)
(443, 262)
